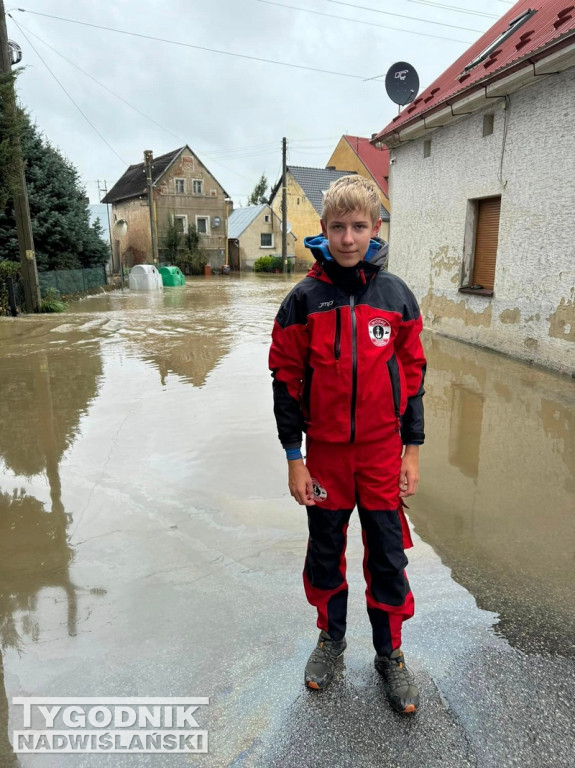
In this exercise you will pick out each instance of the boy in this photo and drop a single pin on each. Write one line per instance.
(348, 369)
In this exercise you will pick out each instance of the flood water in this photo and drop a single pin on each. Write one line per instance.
(142, 483)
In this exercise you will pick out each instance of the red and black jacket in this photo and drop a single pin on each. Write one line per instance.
(346, 357)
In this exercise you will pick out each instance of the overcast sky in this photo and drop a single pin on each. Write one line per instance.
(232, 111)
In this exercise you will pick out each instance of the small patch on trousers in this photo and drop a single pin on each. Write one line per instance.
(319, 492)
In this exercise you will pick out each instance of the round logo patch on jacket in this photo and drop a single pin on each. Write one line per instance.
(379, 331)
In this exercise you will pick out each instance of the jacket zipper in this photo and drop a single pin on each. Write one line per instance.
(353, 366)
(337, 340)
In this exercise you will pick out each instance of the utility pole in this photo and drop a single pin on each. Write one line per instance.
(19, 193)
(148, 158)
(104, 190)
(284, 204)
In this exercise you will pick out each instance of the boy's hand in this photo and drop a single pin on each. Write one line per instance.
(409, 473)
(299, 482)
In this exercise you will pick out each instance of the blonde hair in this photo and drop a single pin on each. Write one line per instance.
(351, 193)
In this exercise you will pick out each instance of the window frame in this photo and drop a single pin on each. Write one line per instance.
(183, 181)
(514, 25)
(470, 247)
(267, 234)
(199, 182)
(181, 217)
(207, 233)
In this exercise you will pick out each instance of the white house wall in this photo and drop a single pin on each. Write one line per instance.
(532, 312)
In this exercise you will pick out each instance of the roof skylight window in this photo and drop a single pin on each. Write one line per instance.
(513, 27)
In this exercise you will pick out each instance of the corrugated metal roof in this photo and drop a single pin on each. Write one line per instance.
(375, 160)
(241, 218)
(552, 21)
(133, 182)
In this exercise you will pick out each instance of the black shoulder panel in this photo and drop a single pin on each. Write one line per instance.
(306, 297)
(389, 292)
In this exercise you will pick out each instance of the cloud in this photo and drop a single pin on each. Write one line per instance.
(233, 111)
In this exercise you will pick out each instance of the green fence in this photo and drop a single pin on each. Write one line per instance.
(68, 281)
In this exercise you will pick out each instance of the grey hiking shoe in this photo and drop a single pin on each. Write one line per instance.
(399, 682)
(320, 668)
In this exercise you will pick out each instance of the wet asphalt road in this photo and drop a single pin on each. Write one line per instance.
(149, 546)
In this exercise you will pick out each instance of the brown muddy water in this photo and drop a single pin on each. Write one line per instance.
(139, 466)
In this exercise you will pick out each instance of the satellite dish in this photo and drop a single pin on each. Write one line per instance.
(402, 83)
(15, 52)
(288, 227)
(216, 221)
(120, 228)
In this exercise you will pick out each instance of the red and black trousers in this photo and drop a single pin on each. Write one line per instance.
(365, 475)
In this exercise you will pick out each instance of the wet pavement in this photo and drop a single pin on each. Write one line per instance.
(149, 546)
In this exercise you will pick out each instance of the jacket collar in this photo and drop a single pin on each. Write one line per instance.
(350, 279)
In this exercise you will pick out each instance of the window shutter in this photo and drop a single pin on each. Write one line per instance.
(486, 239)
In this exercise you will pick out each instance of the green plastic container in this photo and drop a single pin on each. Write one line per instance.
(172, 276)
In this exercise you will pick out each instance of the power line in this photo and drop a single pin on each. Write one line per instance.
(84, 115)
(210, 155)
(195, 47)
(251, 150)
(457, 8)
(400, 16)
(369, 23)
(105, 87)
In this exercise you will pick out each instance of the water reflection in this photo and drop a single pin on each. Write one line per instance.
(497, 494)
(44, 395)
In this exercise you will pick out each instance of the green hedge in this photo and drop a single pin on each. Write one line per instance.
(268, 264)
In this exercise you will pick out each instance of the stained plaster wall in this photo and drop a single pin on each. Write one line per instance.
(136, 246)
(532, 312)
(210, 203)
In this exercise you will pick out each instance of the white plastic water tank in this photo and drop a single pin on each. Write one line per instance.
(145, 277)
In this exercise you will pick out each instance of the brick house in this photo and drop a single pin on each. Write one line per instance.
(185, 192)
(482, 188)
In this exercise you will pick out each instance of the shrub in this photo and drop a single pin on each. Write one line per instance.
(52, 302)
(268, 264)
(191, 263)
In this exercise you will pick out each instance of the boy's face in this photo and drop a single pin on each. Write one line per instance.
(349, 235)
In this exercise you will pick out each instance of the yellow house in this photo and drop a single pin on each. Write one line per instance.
(358, 154)
(305, 189)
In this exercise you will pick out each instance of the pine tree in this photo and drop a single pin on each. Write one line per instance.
(11, 124)
(63, 236)
(258, 196)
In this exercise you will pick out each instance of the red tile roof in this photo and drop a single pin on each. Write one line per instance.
(552, 23)
(375, 160)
